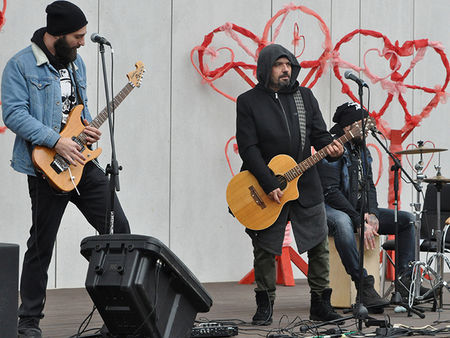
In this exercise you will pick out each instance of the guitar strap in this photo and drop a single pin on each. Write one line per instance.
(79, 100)
(301, 116)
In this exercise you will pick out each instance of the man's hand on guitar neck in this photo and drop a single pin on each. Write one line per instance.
(92, 133)
(70, 150)
(276, 195)
(335, 149)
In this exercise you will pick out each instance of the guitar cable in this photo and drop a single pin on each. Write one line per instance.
(72, 178)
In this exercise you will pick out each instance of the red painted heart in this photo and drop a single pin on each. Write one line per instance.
(317, 66)
(394, 82)
(411, 146)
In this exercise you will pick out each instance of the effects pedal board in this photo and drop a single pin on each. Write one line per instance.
(213, 329)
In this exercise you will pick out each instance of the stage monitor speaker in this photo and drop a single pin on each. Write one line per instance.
(140, 288)
(9, 267)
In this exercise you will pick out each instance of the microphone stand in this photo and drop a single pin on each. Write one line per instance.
(113, 168)
(360, 311)
(396, 297)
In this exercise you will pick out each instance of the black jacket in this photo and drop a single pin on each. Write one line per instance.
(341, 186)
(267, 125)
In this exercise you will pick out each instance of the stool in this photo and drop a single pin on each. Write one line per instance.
(9, 266)
(344, 291)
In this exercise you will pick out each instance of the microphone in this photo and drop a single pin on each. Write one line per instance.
(376, 131)
(349, 75)
(99, 39)
(373, 128)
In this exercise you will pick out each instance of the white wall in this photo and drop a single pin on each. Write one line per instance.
(171, 132)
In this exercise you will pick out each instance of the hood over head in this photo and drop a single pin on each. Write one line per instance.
(266, 60)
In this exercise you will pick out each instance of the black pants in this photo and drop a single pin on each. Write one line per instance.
(47, 208)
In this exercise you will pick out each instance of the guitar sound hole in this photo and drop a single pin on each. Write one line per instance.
(283, 182)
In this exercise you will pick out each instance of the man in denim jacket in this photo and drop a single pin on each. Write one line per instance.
(40, 86)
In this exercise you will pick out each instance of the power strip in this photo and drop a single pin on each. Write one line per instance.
(214, 330)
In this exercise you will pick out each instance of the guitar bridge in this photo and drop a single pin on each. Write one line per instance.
(59, 164)
(258, 200)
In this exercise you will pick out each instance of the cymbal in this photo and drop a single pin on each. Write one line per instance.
(420, 150)
(437, 179)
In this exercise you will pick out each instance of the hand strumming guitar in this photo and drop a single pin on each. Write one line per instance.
(70, 150)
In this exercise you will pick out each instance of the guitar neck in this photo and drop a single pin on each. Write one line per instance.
(301, 167)
(103, 115)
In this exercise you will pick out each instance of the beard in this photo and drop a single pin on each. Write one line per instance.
(280, 83)
(284, 82)
(358, 141)
(63, 52)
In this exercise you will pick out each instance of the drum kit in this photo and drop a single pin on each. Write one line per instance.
(421, 269)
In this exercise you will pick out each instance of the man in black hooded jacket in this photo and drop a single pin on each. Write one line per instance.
(280, 117)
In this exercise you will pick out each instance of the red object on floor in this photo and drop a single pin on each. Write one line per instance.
(390, 269)
(284, 268)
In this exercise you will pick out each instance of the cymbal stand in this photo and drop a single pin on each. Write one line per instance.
(417, 219)
(439, 256)
(439, 251)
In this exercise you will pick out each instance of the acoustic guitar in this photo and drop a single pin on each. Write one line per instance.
(59, 172)
(252, 206)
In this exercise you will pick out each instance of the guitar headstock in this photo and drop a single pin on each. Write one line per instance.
(356, 128)
(135, 77)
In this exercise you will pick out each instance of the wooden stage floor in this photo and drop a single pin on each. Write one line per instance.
(67, 308)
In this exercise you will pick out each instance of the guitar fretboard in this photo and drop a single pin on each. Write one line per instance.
(301, 167)
(103, 115)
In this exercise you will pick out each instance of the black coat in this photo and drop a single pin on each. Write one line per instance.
(263, 132)
(267, 125)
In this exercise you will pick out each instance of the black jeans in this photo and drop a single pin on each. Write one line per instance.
(47, 208)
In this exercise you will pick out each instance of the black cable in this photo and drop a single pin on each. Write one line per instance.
(85, 323)
(157, 271)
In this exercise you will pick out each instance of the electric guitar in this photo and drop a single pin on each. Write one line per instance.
(252, 206)
(59, 172)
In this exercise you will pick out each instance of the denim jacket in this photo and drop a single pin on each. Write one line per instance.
(31, 103)
(340, 185)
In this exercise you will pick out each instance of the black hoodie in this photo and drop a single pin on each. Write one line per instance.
(267, 125)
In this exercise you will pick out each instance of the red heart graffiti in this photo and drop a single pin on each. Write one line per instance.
(232, 142)
(2, 22)
(316, 66)
(394, 83)
(411, 146)
(380, 161)
(2, 14)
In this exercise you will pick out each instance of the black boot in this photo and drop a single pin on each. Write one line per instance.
(263, 315)
(29, 328)
(321, 309)
(370, 297)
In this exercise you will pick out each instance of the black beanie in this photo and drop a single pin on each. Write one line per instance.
(63, 17)
(345, 115)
